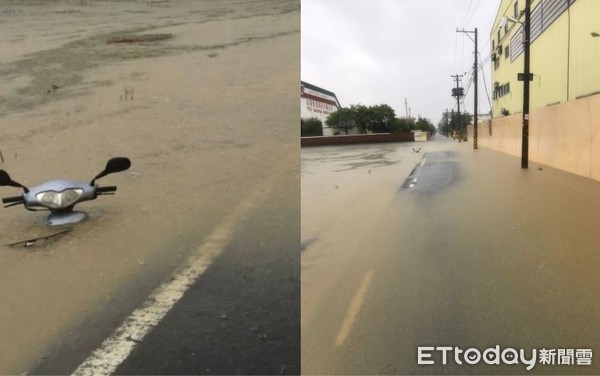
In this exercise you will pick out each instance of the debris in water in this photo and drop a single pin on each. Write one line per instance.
(53, 88)
(31, 242)
(138, 38)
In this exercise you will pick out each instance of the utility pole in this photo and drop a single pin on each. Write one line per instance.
(447, 123)
(475, 76)
(406, 107)
(458, 92)
(526, 79)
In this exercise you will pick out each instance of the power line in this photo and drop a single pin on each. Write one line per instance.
(474, 10)
(487, 93)
(463, 54)
(492, 23)
(455, 49)
(466, 13)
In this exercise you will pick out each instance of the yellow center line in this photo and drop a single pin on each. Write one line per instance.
(353, 310)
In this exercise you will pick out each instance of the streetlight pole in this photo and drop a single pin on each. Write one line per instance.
(526, 80)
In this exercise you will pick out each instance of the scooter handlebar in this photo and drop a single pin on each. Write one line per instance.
(107, 189)
(13, 199)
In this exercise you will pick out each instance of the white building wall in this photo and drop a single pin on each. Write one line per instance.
(314, 104)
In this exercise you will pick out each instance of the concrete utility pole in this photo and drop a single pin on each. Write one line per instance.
(406, 107)
(475, 75)
(458, 92)
(526, 80)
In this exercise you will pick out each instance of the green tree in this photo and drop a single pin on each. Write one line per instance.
(444, 124)
(362, 117)
(311, 127)
(342, 120)
(381, 118)
(402, 125)
(375, 119)
(423, 124)
(450, 123)
(460, 125)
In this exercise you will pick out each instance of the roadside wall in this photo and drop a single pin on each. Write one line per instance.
(565, 136)
(358, 139)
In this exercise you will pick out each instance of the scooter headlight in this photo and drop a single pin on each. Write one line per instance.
(59, 200)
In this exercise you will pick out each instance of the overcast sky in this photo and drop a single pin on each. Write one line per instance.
(383, 51)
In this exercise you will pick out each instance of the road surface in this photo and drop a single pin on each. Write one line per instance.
(448, 247)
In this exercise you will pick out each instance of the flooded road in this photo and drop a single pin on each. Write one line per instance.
(203, 100)
(475, 254)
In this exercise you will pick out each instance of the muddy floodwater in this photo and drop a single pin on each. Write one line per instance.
(450, 245)
(200, 95)
(335, 178)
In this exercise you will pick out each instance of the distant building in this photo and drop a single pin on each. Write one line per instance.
(565, 53)
(316, 102)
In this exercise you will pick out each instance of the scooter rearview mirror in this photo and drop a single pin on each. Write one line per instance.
(116, 164)
(5, 180)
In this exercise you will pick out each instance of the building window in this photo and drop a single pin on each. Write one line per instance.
(516, 16)
(499, 41)
(506, 51)
(501, 90)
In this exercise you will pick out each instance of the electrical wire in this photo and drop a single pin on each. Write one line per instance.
(492, 24)
(474, 10)
(487, 93)
(455, 51)
(466, 13)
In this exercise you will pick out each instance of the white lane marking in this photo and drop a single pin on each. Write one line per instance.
(115, 349)
(353, 310)
(423, 163)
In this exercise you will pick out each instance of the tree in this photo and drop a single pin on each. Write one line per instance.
(450, 124)
(341, 120)
(311, 127)
(362, 117)
(381, 118)
(423, 124)
(402, 125)
(461, 126)
(444, 124)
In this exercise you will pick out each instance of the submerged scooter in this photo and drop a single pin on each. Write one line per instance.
(61, 196)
